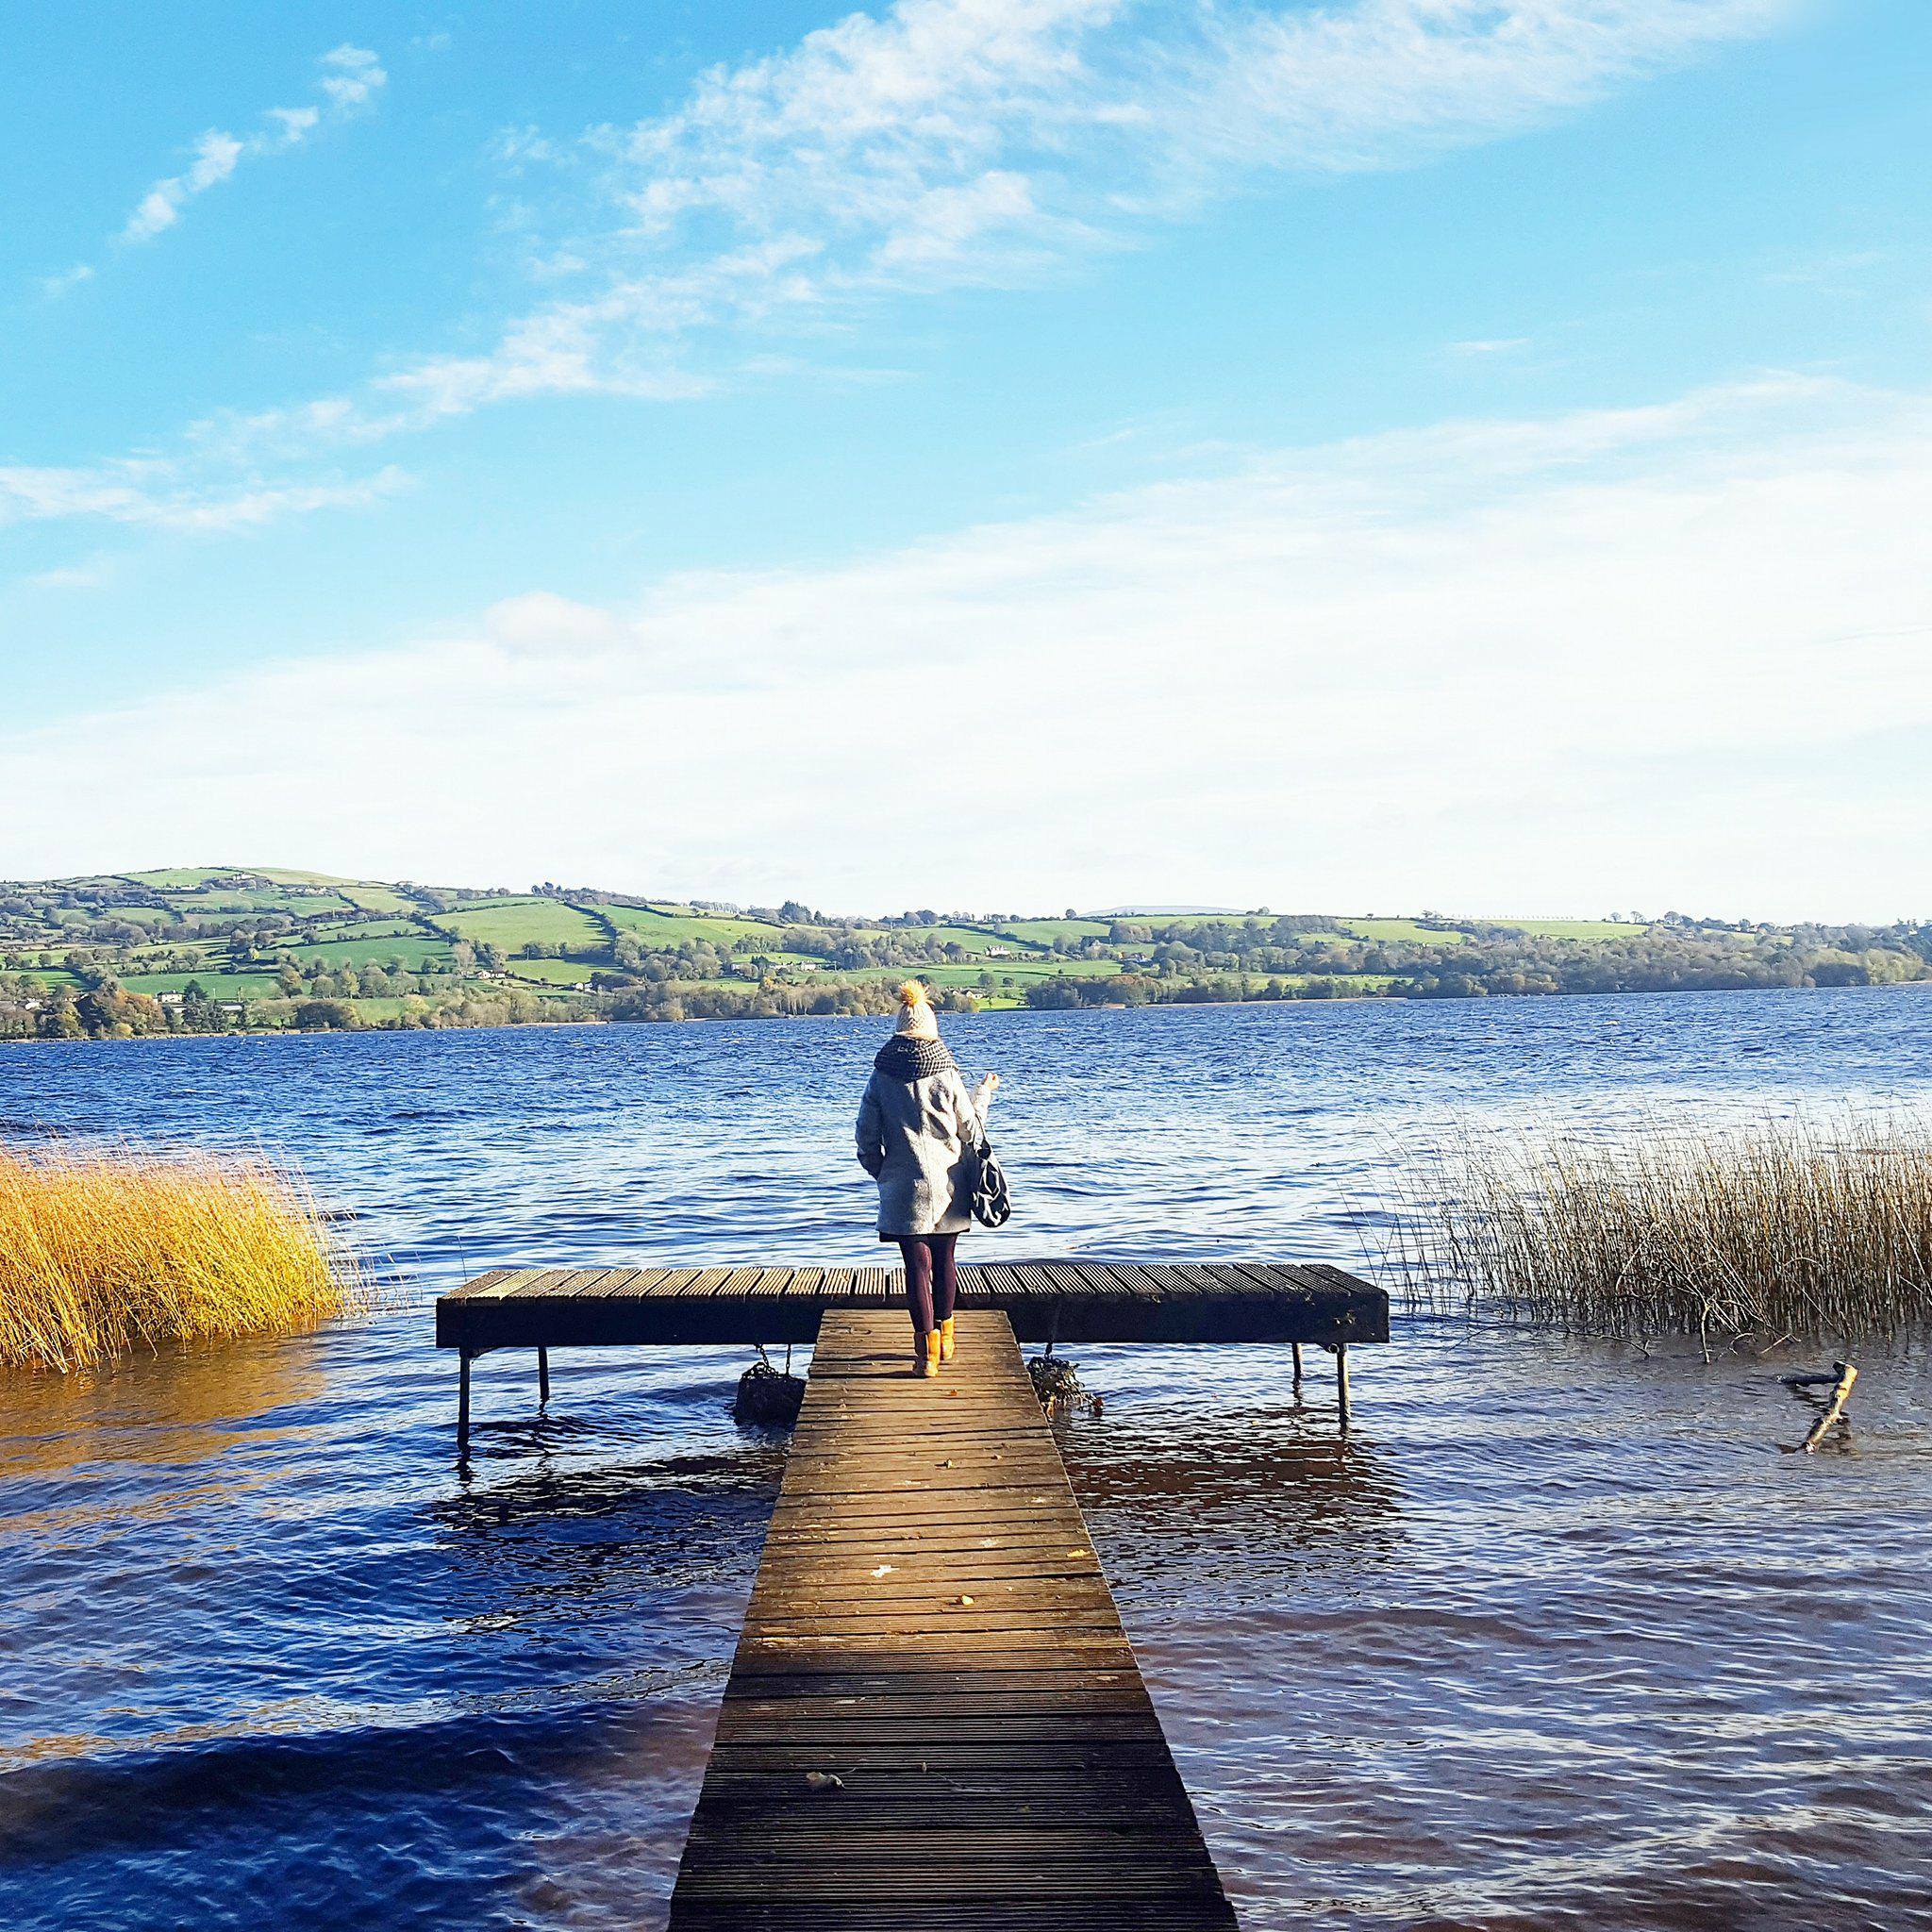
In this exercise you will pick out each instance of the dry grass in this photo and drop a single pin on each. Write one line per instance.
(1802, 1227)
(105, 1252)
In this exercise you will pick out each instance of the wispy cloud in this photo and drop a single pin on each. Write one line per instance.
(349, 80)
(944, 142)
(157, 494)
(89, 575)
(216, 157)
(1492, 345)
(950, 142)
(1691, 636)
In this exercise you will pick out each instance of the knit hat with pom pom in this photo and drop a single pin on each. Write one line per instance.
(916, 1016)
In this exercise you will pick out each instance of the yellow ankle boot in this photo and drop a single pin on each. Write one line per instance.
(926, 1353)
(946, 1340)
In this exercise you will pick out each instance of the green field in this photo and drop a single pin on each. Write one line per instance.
(377, 898)
(372, 1012)
(514, 923)
(415, 951)
(270, 899)
(147, 914)
(1402, 932)
(1570, 929)
(669, 930)
(327, 933)
(1020, 972)
(566, 972)
(971, 938)
(230, 921)
(48, 976)
(1043, 932)
(184, 879)
(218, 986)
(190, 878)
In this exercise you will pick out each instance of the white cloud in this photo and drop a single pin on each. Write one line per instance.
(52, 287)
(949, 141)
(154, 493)
(89, 575)
(1663, 655)
(1495, 345)
(215, 156)
(351, 78)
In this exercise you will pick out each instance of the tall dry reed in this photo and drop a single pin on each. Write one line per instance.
(101, 1252)
(1802, 1227)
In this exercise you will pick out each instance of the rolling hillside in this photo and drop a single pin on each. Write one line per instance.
(219, 947)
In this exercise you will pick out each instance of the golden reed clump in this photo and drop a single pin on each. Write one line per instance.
(101, 1252)
(1798, 1227)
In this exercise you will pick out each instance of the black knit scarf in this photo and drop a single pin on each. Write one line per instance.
(904, 1057)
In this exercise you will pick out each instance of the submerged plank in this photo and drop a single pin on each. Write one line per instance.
(930, 1628)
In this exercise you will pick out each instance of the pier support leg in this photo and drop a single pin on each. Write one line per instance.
(1341, 1381)
(463, 1404)
(543, 1375)
(1297, 1347)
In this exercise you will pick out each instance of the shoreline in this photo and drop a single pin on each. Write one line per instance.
(1489, 1000)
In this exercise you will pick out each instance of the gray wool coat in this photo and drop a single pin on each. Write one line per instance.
(916, 1138)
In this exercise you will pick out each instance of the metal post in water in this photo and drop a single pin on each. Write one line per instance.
(1297, 1348)
(1342, 1380)
(463, 1405)
(543, 1377)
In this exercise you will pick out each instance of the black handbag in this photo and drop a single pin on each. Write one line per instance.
(993, 1201)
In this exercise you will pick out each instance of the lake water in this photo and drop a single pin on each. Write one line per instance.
(1556, 1637)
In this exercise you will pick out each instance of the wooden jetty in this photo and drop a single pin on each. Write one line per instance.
(934, 1715)
(931, 1628)
(1050, 1301)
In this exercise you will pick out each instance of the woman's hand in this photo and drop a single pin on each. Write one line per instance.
(991, 1081)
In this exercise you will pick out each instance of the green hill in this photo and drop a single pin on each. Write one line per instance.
(207, 948)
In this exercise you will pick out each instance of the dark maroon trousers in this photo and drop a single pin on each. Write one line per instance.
(932, 1279)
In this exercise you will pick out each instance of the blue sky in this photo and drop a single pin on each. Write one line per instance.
(988, 453)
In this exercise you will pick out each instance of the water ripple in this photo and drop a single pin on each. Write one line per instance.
(1554, 1638)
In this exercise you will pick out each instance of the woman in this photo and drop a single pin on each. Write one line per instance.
(918, 1128)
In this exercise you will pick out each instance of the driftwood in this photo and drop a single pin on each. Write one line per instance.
(1839, 1380)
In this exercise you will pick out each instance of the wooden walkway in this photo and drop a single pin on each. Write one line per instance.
(1046, 1301)
(930, 1628)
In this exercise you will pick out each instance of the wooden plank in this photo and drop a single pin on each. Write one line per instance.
(633, 1281)
(492, 1283)
(1135, 1280)
(598, 1281)
(929, 1625)
(1031, 1278)
(535, 1284)
(1174, 1283)
(1210, 1278)
(1075, 1301)
(1104, 1277)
